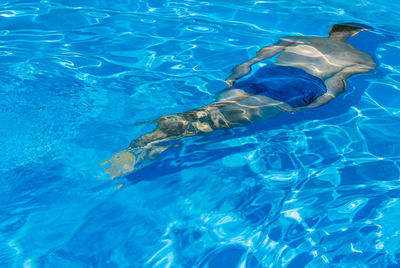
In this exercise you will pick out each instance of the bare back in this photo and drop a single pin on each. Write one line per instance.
(321, 56)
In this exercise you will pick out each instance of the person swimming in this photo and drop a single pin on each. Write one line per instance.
(309, 72)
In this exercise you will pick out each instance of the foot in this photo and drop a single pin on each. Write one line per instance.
(120, 164)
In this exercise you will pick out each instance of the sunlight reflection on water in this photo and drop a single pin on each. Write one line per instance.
(317, 188)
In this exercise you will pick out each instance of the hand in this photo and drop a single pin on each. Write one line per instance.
(230, 82)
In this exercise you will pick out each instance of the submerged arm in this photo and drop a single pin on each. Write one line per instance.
(264, 53)
(337, 84)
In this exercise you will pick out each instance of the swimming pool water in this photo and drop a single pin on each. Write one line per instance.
(315, 188)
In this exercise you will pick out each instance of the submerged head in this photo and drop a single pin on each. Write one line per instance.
(345, 30)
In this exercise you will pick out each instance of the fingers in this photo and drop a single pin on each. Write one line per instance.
(230, 82)
(103, 163)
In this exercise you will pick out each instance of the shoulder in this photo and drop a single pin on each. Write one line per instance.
(298, 40)
(368, 59)
(363, 57)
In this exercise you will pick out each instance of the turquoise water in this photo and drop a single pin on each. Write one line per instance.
(319, 187)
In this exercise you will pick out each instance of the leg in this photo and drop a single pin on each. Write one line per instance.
(202, 120)
(249, 110)
(169, 127)
(232, 108)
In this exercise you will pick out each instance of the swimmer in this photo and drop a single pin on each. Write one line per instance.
(309, 72)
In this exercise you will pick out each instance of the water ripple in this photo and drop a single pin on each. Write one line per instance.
(319, 188)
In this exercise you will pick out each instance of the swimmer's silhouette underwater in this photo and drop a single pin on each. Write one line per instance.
(309, 72)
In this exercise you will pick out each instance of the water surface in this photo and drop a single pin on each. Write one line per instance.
(319, 187)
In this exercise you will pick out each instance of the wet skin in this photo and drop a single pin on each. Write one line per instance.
(331, 59)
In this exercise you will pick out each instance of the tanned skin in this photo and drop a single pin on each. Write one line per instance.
(330, 58)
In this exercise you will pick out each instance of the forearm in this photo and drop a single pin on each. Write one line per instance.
(240, 71)
(244, 68)
(336, 85)
(319, 101)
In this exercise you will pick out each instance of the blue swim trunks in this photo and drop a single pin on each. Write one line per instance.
(284, 83)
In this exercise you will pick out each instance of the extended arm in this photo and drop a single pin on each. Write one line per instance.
(337, 84)
(264, 53)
